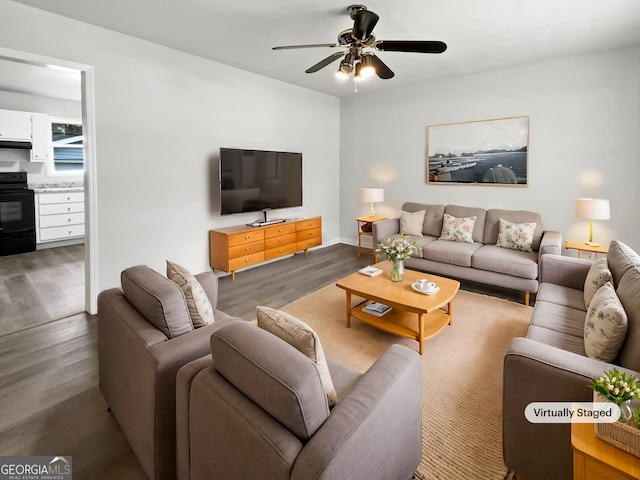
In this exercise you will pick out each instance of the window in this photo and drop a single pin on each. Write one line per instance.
(68, 146)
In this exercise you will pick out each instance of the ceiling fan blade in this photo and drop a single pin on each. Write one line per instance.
(381, 68)
(313, 45)
(325, 62)
(418, 46)
(363, 24)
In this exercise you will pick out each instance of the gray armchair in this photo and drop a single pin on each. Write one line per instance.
(138, 361)
(256, 409)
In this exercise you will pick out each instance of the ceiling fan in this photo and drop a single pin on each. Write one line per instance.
(360, 42)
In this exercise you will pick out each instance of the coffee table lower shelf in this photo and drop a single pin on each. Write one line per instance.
(406, 324)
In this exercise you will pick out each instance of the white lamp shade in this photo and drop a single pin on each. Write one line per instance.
(371, 195)
(593, 208)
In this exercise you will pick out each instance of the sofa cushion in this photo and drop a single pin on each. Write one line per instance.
(620, 259)
(492, 224)
(561, 295)
(457, 229)
(200, 309)
(273, 374)
(516, 236)
(502, 260)
(559, 318)
(301, 336)
(598, 275)
(456, 253)
(605, 326)
(480, 214)
(411, 223)
(432, 219)
(158, 299)
(560, 340)
(628, 292)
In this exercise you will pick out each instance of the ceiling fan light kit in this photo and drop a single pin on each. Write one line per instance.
(359, 41)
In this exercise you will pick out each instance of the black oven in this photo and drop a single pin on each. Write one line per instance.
(17, 214)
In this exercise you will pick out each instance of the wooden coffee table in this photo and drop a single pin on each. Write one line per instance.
(413, 315)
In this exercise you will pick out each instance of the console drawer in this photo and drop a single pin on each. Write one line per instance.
(242, 262)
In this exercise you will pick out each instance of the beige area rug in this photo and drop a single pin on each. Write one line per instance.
(461, 375)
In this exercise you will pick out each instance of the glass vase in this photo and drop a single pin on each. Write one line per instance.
(397, 270)
(625, 411)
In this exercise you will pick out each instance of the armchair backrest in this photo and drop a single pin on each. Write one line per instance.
(158, 299)
(273, 374)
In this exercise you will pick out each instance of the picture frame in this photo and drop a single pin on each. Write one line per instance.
(481, 152)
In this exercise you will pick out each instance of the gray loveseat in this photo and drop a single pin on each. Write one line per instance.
(481, 261)
(550, 364)
(256, 408)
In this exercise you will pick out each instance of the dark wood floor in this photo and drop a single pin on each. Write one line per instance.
(49, 396)
(41, 286)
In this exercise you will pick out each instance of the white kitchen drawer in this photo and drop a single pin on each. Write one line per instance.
(56, 208)
(60, 220)
(60, 233)
(47, 198)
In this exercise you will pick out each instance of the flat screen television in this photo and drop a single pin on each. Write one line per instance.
(256, 180)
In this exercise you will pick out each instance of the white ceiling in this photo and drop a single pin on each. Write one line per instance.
(480, 35)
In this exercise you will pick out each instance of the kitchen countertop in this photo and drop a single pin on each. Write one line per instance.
(57, 187)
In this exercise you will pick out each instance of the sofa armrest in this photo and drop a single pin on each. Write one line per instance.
(384, 229)
(565, 271)
(551, 243)
(535, 372)
(376, 429)
(209, 282)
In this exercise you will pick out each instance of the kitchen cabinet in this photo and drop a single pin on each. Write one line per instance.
(40, 137)
(59, 216)
(15, 126)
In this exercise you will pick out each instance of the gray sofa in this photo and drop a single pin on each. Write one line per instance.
(481, 261)
(256, 408)
(145, 335)
(550, 364)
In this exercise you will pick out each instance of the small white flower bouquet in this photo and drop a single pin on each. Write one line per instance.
(397, 248)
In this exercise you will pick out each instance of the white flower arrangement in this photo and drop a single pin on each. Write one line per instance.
(397, 248)
(617, 386)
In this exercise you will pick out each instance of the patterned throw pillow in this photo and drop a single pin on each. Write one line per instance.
(605, 325)
(517, 236)
(200, 308)
(458, 229)
(411, 223)
(598, 275)
(301, 336)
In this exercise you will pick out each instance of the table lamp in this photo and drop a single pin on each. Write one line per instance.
(371, 195)
(592, 208)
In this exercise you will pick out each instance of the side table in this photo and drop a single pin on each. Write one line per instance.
(596, 459)
(583, 247)
(362, 221)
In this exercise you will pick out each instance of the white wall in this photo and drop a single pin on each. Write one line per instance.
(584, 141)
(161, 116)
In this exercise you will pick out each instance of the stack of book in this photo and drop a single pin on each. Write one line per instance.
(370, 271)
(377, 309)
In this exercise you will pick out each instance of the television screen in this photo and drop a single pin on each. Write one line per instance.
(254, 180)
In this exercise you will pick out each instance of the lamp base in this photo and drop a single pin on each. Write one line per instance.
(592, 244)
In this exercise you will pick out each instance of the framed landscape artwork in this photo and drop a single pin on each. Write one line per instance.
(483, 152)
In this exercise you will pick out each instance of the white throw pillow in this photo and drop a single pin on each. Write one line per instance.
(301, 336)
(598, 275)
(412, 223)
(605, 325)
(200, 308)
(458, 229)
(517, 236)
